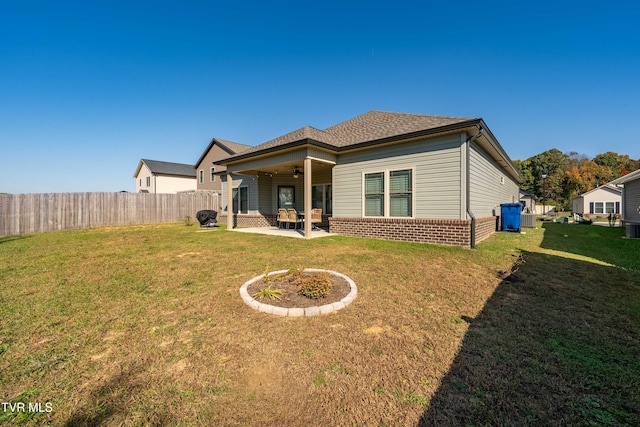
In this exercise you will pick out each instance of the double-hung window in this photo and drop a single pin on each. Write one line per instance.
(388, 193)
(374, 194)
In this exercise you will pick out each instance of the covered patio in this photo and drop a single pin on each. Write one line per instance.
(297, 178)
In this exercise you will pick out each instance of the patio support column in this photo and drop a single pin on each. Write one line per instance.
(229, 202)
(307, 198)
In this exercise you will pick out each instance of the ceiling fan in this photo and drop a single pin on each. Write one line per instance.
(297, 172)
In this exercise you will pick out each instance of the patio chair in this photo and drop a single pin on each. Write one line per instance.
(316, 217)
(283, 217)
(293, 218)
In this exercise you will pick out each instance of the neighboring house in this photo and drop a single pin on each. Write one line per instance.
(630, 202)
(387, 175)
(600, 201)
(153, 176)
(528, 201)
(218, 149)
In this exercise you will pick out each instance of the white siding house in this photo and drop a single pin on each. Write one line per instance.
(598, 202)
(153, 176)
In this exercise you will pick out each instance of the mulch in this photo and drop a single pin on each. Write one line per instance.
(290, 298)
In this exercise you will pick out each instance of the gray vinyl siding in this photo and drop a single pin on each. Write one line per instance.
(241, 181)
(267, 190)
(265, 205)
(437, 179)
(632, 201)
(487, 191)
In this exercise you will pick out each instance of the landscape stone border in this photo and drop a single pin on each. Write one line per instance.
(299, 312)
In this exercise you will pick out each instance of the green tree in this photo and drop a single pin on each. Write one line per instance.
(618, 164)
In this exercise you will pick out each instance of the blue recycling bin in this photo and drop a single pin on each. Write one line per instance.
(510, 216)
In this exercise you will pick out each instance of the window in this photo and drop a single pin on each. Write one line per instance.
(604, 207)
(140, 182)
(609, 207)
(201, 177)
(400, 193)
(389, 193)
(286, 196)
(599, 207)
(148, 181)
(321, 198)
(374, 194)
(241, 200)
(213, 176)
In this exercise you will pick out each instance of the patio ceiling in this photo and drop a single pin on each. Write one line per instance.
(286, 168)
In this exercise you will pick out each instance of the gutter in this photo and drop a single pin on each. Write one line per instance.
(473, 218)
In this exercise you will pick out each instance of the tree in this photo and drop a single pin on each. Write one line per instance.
(618, 164)
(571, 174)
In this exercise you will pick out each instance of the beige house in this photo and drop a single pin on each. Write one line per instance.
(218, 149)
(395, 176)
(153, 176)
(600, 201)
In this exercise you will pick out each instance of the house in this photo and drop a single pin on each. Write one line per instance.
(218, 149)
(153, 176)
(600, 201)
(630, 202)
(396, 176)
(528, 201)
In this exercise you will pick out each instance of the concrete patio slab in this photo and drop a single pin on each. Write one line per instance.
(275, 231)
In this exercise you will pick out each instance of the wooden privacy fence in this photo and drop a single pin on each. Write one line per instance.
(35, 213)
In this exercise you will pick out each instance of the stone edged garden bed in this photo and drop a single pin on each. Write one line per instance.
(344, 291)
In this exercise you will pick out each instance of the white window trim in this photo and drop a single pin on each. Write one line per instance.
(387, 194)
(201, 176)
(213, 177)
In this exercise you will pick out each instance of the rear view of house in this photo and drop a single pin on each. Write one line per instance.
(153, 176)
(388, 175)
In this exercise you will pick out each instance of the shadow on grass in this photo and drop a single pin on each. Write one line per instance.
(606, 244)
(556, 344)
(7, 239)
(112, 402)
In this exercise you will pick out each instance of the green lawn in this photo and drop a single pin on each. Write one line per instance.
(144, 325)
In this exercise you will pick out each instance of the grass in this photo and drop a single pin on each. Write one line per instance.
(144, 325)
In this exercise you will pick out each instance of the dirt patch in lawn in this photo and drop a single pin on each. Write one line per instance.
(289, 297)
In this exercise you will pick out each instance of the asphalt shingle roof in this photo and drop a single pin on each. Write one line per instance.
(371, 126)
(168, 168)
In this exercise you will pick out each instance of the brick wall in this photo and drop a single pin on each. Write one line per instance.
(244, 220)
(451, 232)
(485, 227)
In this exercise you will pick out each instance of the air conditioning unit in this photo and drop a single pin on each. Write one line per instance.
(633, 231)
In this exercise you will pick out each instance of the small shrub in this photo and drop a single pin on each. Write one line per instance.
(268, 293)
(314, 286)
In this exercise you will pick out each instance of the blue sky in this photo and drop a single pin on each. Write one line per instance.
(87, 88)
